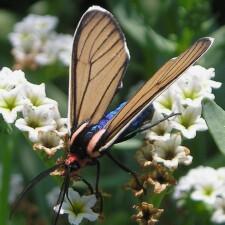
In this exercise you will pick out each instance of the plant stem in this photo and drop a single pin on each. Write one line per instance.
(156, 199)
(6, 156)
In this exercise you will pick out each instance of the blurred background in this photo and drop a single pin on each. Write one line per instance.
(156, 30)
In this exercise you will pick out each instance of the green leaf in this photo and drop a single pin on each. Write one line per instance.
(215, 56)
(216, 161)
(5, 128)
(7, 21)
(6, 160)
(215, 119)
(142, 33)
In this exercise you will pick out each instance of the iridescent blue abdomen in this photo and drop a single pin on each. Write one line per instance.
(145, 115)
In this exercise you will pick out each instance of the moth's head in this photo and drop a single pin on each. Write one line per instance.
(71, 164)
(73, 167)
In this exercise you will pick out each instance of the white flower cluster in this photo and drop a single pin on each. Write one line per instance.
(204, 184)
(40, 117)
(183, 97)
(35, 42)
(41, 120)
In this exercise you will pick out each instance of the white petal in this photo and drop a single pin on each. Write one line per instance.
(74, 195)
(9, 116)
(75, 219)
(90, 215)
(89, 200)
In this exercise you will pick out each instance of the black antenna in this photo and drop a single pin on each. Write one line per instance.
(63, 191)
(32, 183)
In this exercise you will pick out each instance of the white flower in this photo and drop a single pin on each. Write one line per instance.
(203, 76)
(36, 43)
(167, 101)
(61, 128)
(65, 48)
(221, 174)
(11, 102)
(36, 24)
(49, 142)
(11, 79)
(189, 121)
(202, 184)
(189, 90)
(218, 215)
(161, 131)
(78, 207)
(183, 188)
(48, 53)
(30, 35)
(58, 47)
(37, 119)
(206, 190)
(24, 43)
(191, 93)
(195, 84)
(170, 152)
(36, 94)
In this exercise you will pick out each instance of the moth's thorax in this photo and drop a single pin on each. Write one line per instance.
(85, 140)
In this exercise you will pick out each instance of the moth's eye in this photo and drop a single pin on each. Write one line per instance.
(75, 166)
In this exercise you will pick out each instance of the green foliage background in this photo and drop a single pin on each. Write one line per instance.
(156, 30)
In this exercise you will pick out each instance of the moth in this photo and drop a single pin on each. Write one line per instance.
(99, 60)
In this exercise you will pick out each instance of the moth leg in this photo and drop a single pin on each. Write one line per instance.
(126, 169)
(89, 186)
(84, 181)
(149, 125)
(97, 192)
(146, 126)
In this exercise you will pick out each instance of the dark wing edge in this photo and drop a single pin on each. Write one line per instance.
(99, 59)
(158, 83)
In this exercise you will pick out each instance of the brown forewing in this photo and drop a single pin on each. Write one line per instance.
(99, 59)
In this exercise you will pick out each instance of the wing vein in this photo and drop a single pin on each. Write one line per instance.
(108, 63)
(99, 58)
(92, 29)
(166, 78)
(91, 54)
(107, 89)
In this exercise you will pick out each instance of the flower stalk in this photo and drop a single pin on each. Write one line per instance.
(7, 156)
(162, 151)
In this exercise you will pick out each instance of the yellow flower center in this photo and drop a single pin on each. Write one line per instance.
(186, 122)
(190, 94)
(34, 123)
(160, 131)
(35, 101)
(78, 208)
(10, 103)
(167, 103)
(208, 190)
